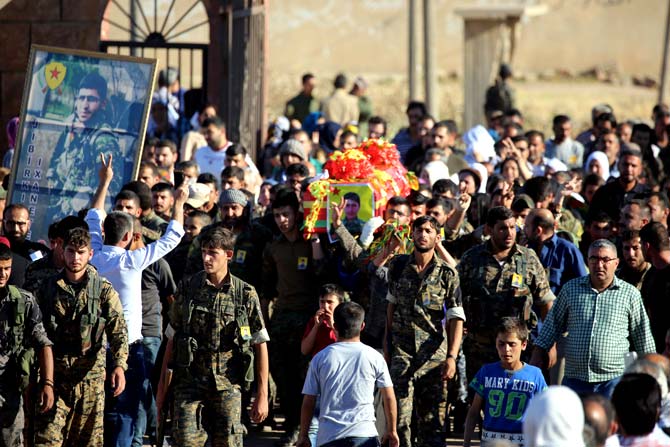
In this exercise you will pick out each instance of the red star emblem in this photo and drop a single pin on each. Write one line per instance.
(54, 73)
(336, 191)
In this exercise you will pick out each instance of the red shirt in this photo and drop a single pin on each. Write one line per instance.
(324, 336)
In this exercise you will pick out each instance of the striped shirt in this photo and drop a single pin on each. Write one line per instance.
(602, 328)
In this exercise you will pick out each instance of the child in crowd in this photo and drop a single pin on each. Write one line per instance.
(319, 334)
(504, 389)
(319, 331)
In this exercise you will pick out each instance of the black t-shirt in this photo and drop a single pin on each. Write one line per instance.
(611, 198)
(656, 296)
(157, 285)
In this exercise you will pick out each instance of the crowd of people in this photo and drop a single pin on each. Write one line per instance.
(523, 288)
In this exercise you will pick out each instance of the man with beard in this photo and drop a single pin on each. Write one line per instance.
(423, 293)
(212, 158)
(611, 197)
(16, 226)
(162, 200)
(499, 279)
(635, 267)
(250, 239)
(291, 270)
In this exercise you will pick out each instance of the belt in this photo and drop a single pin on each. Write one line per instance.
(489, 436)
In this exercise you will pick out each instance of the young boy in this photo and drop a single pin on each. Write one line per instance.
(345, 374)
(319, 333)
(504, 388)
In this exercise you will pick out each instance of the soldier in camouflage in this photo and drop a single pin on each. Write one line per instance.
(423, 293)
(499, 279)
(21, 332)
(87, 134)
(50, 265)
(83, 312)
(219, 332)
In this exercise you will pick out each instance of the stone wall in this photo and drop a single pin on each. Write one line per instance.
(60, 23)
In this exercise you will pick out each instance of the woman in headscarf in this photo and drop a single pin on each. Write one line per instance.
(597, 163)
(329, 135)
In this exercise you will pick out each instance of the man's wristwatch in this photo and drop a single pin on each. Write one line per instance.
(451, 356)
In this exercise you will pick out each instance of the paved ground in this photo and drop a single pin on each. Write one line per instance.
(267, 438)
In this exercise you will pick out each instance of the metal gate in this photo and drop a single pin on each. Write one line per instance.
(161, 35)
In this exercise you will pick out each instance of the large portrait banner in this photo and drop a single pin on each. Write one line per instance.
(77, 105)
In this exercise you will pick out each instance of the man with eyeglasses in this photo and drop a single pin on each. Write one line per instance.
(72, 173)
(605, 319)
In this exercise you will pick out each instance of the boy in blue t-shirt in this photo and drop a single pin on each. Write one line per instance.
(504, 389)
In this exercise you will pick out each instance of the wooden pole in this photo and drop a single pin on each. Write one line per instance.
(430, 78)
(664, 64)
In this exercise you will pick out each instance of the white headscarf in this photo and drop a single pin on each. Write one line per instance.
(554, 418)
(479, 145)
(434, 171)
(602, 160)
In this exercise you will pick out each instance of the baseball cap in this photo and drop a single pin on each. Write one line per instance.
(198, 195)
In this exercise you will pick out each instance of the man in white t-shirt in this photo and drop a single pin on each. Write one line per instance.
(345, 374)
(212, 158)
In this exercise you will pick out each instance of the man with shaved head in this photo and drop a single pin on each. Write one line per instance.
(664, 364)
(561, 258)
(599, 418)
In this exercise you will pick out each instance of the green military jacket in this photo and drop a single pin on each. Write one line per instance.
(26, 320)
(39, 271)
(423, 301)
(66, 310)
(208, 315)
(493, 290)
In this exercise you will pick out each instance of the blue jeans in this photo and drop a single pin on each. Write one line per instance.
(121, 411)
(314, 425)
(146, 413)
(580, 387)
(353, 442)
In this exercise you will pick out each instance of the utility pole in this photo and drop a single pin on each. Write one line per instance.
(664, 64)
(430, 78)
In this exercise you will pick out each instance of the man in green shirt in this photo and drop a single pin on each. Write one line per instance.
(298, 107)
(605, 320)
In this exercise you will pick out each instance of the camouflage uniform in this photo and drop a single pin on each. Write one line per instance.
(20, 322)
(153, 227)
(79, 361)
(70, 188)
(492, 291)
(39, 271)
(214, 328)
(419, 343)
